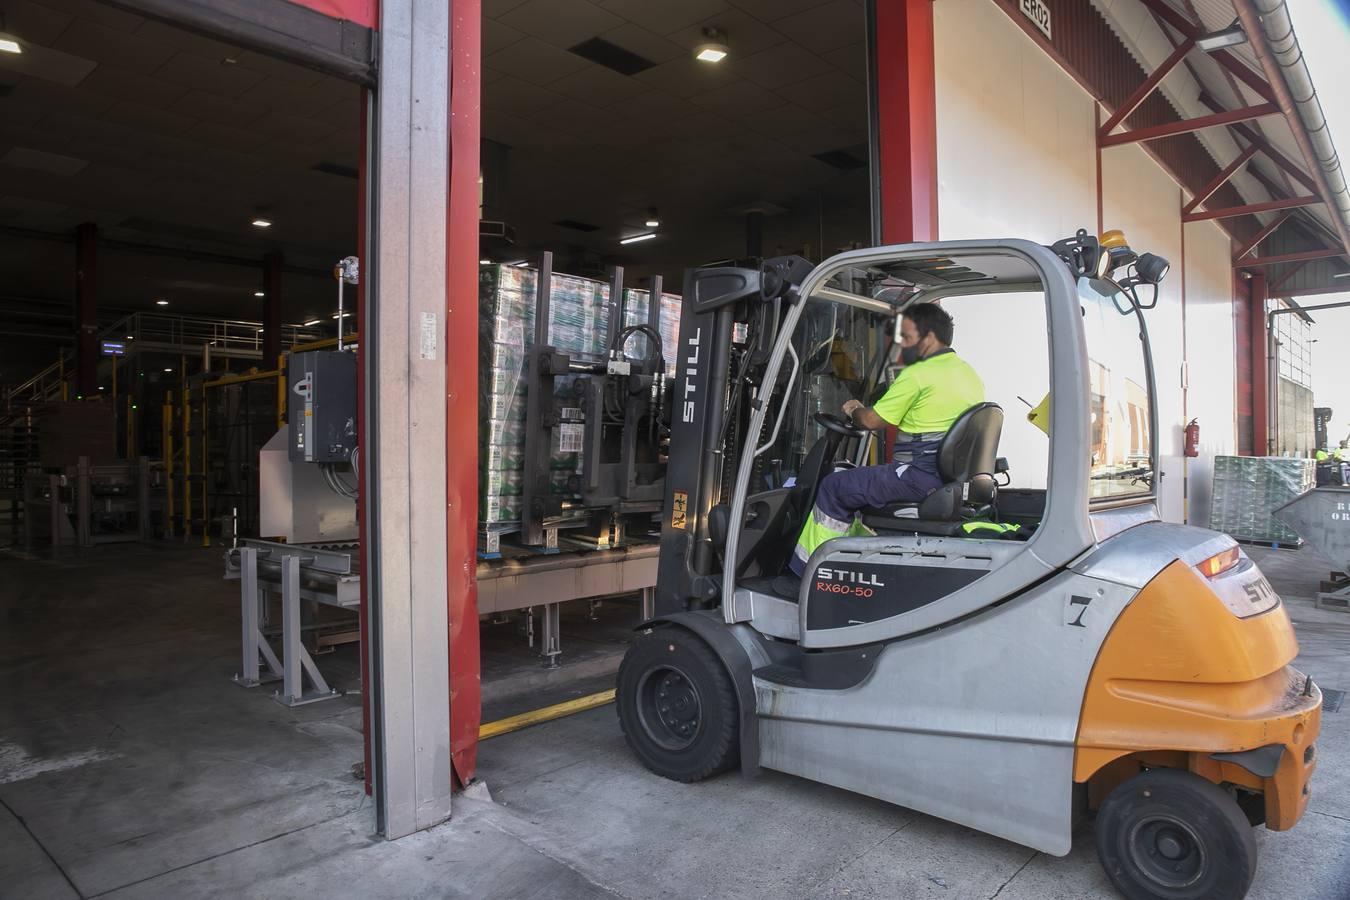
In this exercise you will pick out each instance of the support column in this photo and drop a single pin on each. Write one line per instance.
(1260, 376)
(271, 316)
(405, 408)
(86, 309)
(903, 121)
(461, 388)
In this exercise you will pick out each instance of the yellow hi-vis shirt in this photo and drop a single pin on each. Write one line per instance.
(928, 396)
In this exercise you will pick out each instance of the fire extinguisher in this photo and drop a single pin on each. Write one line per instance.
(1192, 447)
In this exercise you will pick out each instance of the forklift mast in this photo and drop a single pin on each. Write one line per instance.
(711, 403)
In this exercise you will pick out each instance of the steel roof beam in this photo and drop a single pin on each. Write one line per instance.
(1221, 179)
(1186, 126)
(1265, 232)
(1148, 87)
(1249, 209)
(1303, 256)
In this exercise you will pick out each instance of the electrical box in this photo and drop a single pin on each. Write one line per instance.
(321, 406)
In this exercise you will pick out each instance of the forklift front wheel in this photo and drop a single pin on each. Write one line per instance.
(1171, 835)
(677, 706)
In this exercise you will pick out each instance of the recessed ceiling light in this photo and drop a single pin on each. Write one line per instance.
(312, 322)
(9, 45)
(161, 302)
(714, 48)
(653, 220)
(638, 237)
(485, 262)
(344, 315)
(259, 294)
(168, 370)
(261, 223)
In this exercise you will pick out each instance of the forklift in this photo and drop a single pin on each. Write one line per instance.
(1012, 658)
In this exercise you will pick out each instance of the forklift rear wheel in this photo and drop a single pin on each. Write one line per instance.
(1171, 835)
(677, 706)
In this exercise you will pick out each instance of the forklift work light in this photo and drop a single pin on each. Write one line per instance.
(1152, 268)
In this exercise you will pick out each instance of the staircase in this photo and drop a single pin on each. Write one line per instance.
(20, 407)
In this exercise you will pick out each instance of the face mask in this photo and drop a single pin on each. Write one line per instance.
(909, 355)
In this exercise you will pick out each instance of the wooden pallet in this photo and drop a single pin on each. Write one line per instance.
(1273, 545)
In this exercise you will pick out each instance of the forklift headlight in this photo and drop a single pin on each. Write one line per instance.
(1152, 268)
(1103, 262)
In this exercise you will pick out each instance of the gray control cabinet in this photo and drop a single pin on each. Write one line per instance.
(321, 406)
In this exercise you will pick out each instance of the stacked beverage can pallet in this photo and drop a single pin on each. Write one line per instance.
(578, 326)
(1248, 488)
(636, 306)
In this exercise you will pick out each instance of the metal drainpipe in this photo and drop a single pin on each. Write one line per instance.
(1272, 37)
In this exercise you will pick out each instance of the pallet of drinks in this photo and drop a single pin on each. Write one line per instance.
(1247, 489)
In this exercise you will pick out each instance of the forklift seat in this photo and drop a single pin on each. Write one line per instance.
(967, 461)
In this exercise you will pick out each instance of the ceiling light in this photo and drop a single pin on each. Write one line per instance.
(168, 370)
(638, 237)
(9, 45)
(653, 221)
(1341, 275)
(344, 315)
(714, 48)
(261, 223)
(1217, 40)
(260, 293)
(161, 302)
(312, 322)
(485, 262)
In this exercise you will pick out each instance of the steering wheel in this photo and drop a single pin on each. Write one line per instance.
(839, 425)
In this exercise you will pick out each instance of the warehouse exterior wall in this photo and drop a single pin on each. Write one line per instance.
(1017, 157)
(1211, 354)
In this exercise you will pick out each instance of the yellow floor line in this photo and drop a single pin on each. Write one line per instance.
(547, 714)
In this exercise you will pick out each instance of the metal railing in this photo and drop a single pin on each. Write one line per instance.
(45, 385)
(191, 333)
(163, 332)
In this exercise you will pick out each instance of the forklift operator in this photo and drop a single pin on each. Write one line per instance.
(931, 392)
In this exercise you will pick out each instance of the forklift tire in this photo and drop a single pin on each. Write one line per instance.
(677, 706)
(1171, 835)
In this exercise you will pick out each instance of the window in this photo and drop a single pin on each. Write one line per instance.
(1118, 379)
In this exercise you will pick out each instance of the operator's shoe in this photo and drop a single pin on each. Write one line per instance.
(787, 586)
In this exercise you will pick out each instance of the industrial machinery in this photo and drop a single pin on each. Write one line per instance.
(89, 504)
(1100, 661)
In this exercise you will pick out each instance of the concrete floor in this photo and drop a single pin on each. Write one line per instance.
(130, 766)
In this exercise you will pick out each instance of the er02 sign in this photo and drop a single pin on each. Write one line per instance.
(1038, 13)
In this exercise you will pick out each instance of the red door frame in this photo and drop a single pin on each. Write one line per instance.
(904, 120)
(461, 385)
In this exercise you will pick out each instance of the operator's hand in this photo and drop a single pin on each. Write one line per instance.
(850, 407)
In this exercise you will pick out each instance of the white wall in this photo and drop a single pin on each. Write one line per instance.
(1017, 158)
(1211, 353)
